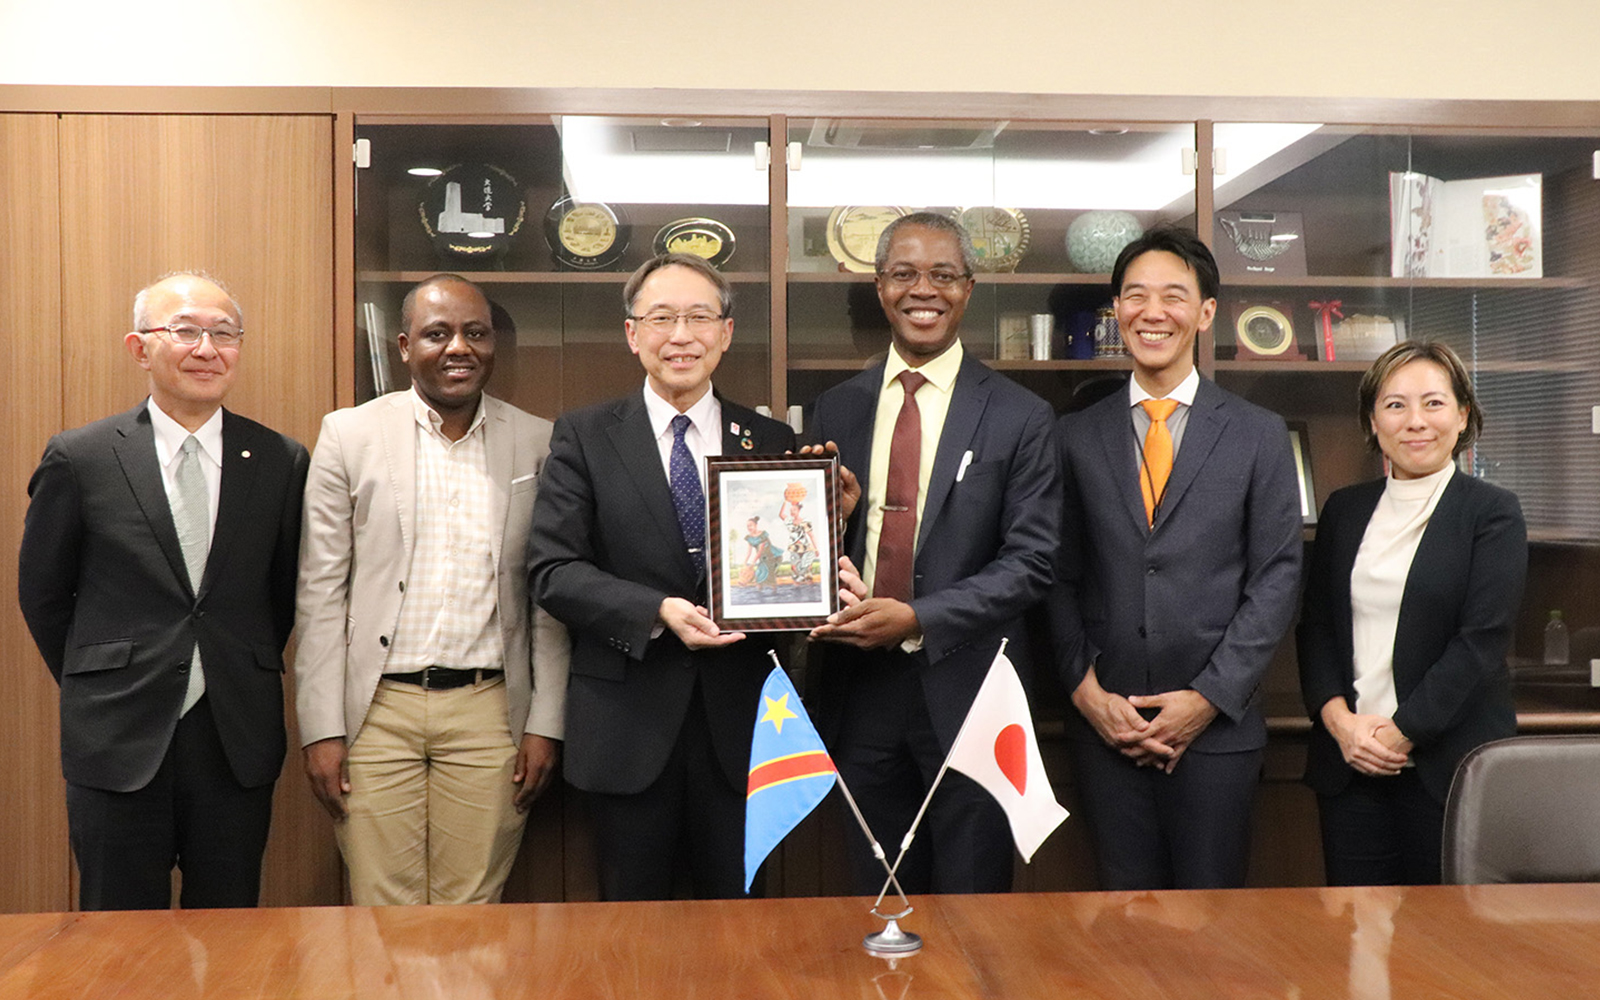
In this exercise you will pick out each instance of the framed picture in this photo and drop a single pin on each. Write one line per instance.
(771, 541)
(1300, 445)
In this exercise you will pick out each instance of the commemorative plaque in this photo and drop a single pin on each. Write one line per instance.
(586, 235)
(999, 236)
(706, 238)
(853, 232)
(471, 212)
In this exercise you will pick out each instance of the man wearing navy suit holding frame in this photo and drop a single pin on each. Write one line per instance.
(955, 535)
(660, 701)
(1179, 572)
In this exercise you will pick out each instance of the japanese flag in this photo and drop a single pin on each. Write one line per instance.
(997, 748)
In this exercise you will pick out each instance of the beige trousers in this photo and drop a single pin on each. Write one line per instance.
(430, 815)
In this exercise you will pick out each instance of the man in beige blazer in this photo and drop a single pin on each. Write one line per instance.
(430, 691)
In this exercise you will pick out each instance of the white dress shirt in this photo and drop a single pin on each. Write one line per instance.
(170, 435)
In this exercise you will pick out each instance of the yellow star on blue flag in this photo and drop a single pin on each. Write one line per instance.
(777, 711)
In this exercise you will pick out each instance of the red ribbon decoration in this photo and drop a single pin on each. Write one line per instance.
(1326, 312)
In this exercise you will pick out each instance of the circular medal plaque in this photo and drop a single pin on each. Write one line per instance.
(706, 238)
(586, 235)
(999, 235)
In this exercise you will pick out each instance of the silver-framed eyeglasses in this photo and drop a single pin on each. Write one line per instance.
(939, 277)
(666, 322)
(188, 334)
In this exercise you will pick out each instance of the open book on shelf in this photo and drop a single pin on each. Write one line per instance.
(1482, 227)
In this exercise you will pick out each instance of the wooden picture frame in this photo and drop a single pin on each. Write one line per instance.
(759, 582)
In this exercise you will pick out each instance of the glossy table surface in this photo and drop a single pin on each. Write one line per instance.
(1375, 944)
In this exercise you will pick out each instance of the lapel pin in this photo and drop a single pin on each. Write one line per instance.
(733, 427)
(245, 453)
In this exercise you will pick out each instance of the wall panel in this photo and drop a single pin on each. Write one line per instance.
(34, 819)
(248, 198)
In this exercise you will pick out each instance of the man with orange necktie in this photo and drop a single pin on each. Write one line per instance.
(1180, 562)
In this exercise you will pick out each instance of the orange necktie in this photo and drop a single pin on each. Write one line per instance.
(1157, 464)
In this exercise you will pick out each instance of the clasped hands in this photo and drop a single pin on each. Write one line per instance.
(1180, 717)
(1372, 744)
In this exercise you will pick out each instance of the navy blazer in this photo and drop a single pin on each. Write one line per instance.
(986, 540)
(1457, 616)
(604, 552)
(1201, 599)
(106, 594)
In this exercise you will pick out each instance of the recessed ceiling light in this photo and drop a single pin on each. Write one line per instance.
(424, 171)
(1108, 131)
(681, 122)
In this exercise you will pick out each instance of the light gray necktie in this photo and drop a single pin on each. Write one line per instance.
(191, 514)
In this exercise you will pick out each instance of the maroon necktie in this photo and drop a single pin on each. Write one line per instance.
(897, 539)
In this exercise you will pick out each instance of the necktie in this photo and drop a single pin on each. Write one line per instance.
(687, 497)
(191, 515)
(897, 539)
(1157, 464)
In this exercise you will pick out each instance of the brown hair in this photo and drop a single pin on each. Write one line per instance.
(1403, 354)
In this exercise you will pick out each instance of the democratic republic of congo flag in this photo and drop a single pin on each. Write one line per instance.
(790, 771)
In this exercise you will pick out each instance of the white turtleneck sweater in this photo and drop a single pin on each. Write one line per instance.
(1378, 581)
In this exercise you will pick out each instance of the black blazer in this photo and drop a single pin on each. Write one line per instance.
(986, 542)
(604, 552)
(106, 594)
(1456, 620)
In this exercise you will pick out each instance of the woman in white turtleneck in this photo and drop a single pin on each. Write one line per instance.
(1410, 602)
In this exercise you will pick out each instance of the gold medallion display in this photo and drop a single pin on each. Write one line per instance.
(853, 232)
(999, 236)
(1265, 331)
(585, 234)
(706, 238)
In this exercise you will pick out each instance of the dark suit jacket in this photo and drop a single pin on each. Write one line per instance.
(985, 543)
(1457, 616)
(605, 551)
(1199, 601)
(106, 594)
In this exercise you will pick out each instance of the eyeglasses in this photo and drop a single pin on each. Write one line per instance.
(189, 335)
(665, 322)
(939, 277)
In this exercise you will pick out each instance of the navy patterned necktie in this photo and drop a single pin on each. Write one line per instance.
(687, 496)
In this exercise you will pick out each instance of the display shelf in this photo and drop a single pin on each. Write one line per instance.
(1372, 281)
(1290, 367)
(1054, 364)
(538, 277)
(1006, 278)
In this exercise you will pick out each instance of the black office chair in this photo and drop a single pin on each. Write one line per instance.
(1526, 809)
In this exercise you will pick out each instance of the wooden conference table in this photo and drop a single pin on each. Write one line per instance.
(1406, 944)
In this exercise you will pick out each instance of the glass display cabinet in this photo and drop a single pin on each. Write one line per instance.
(1048, 205)
(1340, 240)
(550, 215)
(1333, 241)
